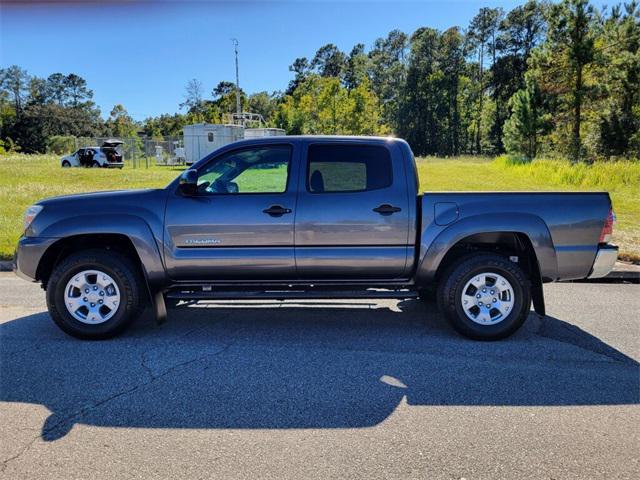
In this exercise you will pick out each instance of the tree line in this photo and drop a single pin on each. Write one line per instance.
(542, 79)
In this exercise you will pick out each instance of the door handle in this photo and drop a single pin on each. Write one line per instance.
(276, 210)
(386, 209)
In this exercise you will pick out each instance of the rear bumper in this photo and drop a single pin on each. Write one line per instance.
(604, 262)
(28, 255)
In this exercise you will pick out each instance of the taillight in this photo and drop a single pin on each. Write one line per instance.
(607, 228)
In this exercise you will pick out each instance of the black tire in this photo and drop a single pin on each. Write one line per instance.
(95, 164)
(462, 271)
(127, 278)
(66, 164)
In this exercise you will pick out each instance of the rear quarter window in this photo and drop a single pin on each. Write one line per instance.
(348, 168)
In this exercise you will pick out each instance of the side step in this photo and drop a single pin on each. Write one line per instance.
(287, 294)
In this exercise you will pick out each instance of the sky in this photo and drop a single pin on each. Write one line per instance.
(142, 53)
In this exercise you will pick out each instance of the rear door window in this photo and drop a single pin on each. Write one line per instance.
(348, 168)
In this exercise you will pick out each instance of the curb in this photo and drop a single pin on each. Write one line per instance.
(622, 273)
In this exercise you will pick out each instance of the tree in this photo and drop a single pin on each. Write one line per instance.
(193, 97)
(120, 123)
(355, 72)
(224, 95)
(482, 40)
(560, 65)
(76, 90)
(37, 91)
(422, 105)
(618, 68)
(301, 68)
(164, 125)
(223, 88)
(40, 122)
(56, 89)
(321, 105)
(523, 129)
(452, 59)
(521, 30)
(264, 104)
(519, 33)
(328, 61)
(15, 81)
(387, 72)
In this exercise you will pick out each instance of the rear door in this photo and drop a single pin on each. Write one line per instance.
(240, 224)
(352, 216)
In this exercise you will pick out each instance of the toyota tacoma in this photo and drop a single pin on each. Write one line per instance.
(310, 217)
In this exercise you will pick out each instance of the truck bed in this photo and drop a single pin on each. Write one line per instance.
(563, 227)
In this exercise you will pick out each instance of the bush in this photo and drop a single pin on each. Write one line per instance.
(60, 144)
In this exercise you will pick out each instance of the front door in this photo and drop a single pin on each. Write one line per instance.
(239, 226)
(353, 215)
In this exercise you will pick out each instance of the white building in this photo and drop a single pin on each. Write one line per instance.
(203, 138)
(263, 132)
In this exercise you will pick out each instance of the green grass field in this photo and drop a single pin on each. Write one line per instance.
(25, 179)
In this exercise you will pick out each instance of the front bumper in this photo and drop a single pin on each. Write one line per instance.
(114, 164)
(28, 254)
(604, 262)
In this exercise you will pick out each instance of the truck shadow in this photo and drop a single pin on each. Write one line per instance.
(299, 365)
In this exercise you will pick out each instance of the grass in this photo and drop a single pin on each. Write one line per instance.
(25, 179)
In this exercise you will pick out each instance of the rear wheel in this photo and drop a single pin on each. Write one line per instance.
(94, 294)
(485, 296)
(66, 164)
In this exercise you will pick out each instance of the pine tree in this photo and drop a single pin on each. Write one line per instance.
(523, 129)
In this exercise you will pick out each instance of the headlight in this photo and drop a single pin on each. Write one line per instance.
(30, 214)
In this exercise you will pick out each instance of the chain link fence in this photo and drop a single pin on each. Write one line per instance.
(142, 152)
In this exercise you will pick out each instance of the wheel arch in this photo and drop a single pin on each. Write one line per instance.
(64, 247)
(519, 232)
(129, 234)
(522, 235)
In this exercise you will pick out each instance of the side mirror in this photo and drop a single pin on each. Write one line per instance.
(189, 182)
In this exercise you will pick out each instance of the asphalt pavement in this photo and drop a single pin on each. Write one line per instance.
(323, 389)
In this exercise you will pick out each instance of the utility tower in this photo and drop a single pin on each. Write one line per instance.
(238, 106)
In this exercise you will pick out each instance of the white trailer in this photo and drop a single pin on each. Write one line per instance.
(201, 139)
(263, 132)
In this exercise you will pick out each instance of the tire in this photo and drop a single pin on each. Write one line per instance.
(458, 286)
(95, 164)
(66, 164)
(123, 278)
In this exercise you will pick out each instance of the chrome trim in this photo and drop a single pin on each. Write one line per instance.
(604, 262)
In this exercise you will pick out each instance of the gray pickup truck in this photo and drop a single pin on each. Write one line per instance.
(309, 217)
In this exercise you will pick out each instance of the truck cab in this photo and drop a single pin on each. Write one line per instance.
(291, 210)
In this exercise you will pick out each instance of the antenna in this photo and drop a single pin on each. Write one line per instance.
(238, 107)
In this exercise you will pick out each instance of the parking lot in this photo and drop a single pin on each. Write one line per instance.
(349, 389)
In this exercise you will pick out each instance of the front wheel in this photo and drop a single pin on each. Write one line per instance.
(485, 296)
(94, 294)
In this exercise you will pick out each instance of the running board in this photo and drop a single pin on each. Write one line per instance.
(289, 294)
